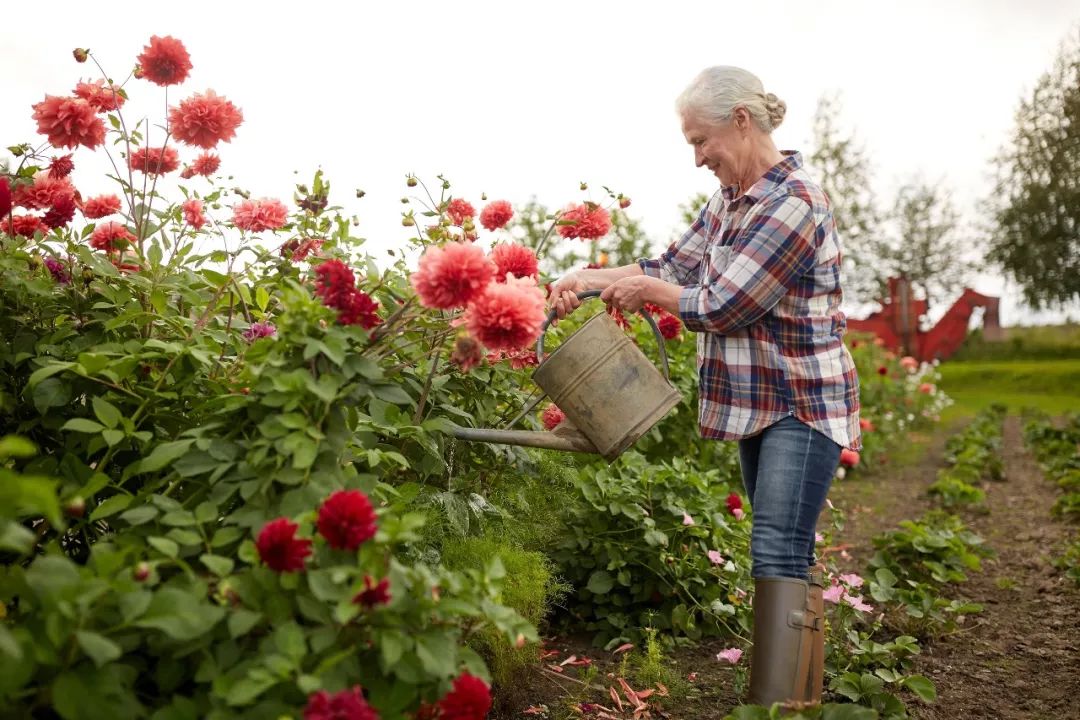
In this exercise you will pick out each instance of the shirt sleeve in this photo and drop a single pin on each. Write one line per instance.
(681, 262)
(767, 260)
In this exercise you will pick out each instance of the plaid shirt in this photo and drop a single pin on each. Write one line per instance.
(761, 287)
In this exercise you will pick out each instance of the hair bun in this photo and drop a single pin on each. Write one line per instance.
(776, 108)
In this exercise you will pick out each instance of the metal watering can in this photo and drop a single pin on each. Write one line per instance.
(610, 392)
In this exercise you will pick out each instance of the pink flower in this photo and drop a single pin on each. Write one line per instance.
(43, 192)
(687, 520)
(101, 206)
(451, 276)
(588, 221)
(206, 164)
(61, 167)
(347, 520)
(458, 210)
(731, 655)
(909, 363)
(100, 97)
(552, 416)
(69, 122)
(852, 580)
(259, 215)
(715, 557)
(205, 120)
(496, 214)
(24, 225)
(866, 425)
(507, 316)
(259, 330)
(57, 270)
(154, 161)
(818, 538)
(519, 359)
(193, 215)
(279, 547)
(856, 602)
(833, 593)
(514, 259)
(111, 236)
(927, 388)
(165, 61)
(849, 458)
(738, 513)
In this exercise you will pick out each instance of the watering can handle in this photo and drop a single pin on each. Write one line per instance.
(596, 293)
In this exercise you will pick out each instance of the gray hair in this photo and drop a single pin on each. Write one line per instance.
(717, 91)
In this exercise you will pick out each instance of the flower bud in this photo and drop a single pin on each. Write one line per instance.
(411, 182)
(137, 72)
(624, 202)
(584, 185)
(360, 193)
(468, 226)
(520, 641)
(76, 507)
(404, 201)
(81, 54)
(407, 221)
(141, 571)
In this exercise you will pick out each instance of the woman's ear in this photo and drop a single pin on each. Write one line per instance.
(740, 117)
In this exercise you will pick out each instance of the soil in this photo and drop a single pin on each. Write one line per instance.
(1018, 659)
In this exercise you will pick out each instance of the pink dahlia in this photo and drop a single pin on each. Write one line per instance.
(588, 222)
(101, 206)
(154, 161)
(205, 120)
(515, 259)
(458, 210)
(165, 61)
(111, 236)
(206, 164)
(507, 316)
(496, 214)
(193, 214)
(69, 122)
(100, 97)
(452, 275)
(259, 215)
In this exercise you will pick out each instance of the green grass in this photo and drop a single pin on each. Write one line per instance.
(1049, 385)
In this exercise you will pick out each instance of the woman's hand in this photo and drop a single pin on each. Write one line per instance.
(564, 292)
(629, 294)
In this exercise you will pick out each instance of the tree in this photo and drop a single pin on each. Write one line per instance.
(1035, 207)
(924, 244)
(842, 167)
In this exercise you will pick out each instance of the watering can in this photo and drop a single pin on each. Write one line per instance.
(610, 392)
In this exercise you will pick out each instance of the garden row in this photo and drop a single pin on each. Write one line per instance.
(1057, 450)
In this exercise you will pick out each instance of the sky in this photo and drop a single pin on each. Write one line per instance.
(524, 100)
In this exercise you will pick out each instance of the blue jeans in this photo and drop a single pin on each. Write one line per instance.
(787, 470)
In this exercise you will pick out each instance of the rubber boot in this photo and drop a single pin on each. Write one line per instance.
(814, 634)
(784, 641)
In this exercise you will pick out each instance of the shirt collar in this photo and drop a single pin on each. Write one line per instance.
(768, 182)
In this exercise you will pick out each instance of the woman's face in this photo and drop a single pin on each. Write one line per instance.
(722, 148)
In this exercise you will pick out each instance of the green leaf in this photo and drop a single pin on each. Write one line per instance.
(391, 644)
(140, 515)
(113, 437)
(49, 394)
(847, 711)
(392, 394)
(163, 455)
(220, 566)
(921, 686)
(111, 506)
(261, 297)
(437, 652)
(241, 621)
(106, 412)
(15, 446)
(164, 545)
(82, 425)
(601, 582)
(46, 372)
(100, 648)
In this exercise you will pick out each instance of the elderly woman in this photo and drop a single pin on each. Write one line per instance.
(757, 276)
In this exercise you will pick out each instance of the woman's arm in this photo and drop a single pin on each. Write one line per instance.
(564, 292)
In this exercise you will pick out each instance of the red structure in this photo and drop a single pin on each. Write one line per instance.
(897, 323)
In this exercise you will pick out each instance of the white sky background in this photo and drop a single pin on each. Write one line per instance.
(528, 99)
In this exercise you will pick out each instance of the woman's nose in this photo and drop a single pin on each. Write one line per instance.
(699, 157)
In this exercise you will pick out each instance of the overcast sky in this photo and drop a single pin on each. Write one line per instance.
(528, 99)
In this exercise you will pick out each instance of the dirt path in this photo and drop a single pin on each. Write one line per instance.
(1021, 657)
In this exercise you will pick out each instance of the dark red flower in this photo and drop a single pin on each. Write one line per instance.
(5, 196)
(57, 270)
(165, 61)
(734, 502)
(374, 593)
(334, 282)
(883, 370)
(279, 547)
(61, 167)
(357, 308)
(469, 700)
(617, 315)
(61, 213)
(347, 519)
(458, 210)
(345, 705)
(669, 326)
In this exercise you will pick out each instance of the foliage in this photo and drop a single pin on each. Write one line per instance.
(972, 456)
(1035, 205)
(1048, 342)
(1058, 451)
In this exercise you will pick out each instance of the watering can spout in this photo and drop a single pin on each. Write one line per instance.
(564, 440)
